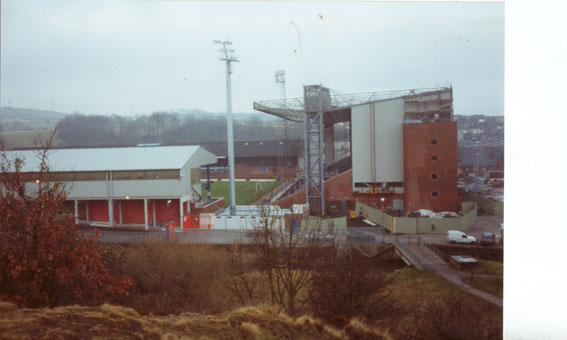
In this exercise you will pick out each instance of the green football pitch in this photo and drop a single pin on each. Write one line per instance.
(246, 192)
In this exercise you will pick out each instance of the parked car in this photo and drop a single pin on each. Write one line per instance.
(488, 239)
(455, 236)
(358, 236)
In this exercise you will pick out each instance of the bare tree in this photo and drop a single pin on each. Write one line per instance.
(346, 290)
(289, 252)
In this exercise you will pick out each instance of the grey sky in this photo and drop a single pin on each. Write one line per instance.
(129, 57)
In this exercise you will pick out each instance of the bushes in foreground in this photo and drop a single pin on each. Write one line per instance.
(213, 279)
(124, 323)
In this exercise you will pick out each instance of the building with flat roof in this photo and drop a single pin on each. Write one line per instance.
(144, 185)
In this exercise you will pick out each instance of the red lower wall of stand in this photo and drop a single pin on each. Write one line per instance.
(167, 210)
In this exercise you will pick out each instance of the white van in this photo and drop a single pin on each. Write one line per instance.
(455, 236)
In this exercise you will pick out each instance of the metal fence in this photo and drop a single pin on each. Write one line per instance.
(210, 236)
(407, 252)
(436, 251)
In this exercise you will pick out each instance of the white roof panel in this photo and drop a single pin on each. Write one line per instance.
(116, 159)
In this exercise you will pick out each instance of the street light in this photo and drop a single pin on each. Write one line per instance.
(477, 156)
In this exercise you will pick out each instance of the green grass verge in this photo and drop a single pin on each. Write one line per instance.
(487, 268)
(245, 191)
(490, 285)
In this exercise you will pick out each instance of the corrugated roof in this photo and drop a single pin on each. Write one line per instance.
(113, 159)
(265, 148)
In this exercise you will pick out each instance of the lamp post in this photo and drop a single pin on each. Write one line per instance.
(477, 157)
(227, 55)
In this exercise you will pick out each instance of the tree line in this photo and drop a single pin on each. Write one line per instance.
(161, 127)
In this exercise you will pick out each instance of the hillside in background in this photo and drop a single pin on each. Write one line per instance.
(10, 114)
(480, 130)
(23, 128)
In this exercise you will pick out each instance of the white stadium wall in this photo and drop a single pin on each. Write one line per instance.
(389, 151)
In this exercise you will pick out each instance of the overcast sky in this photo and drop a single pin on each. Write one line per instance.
(137, 57)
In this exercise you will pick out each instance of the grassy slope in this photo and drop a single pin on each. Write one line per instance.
(491, 285)
(125, 323)
(245, 191)
(411, 286)
(41, 123)
(10, 114)
(24, 139)
(488, 268)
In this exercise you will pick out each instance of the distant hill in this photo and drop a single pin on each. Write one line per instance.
(235, 116)
(10, 114)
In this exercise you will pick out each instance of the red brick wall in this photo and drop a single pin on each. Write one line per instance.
(340, 188)
(430, 166)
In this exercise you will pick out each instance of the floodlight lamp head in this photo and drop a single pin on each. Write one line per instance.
(280, 76)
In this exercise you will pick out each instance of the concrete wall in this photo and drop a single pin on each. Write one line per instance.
(421, 225)
(374, 215)
(438, 225)
(389, 152)
(337, 225)
(405, 225)
(221, 222)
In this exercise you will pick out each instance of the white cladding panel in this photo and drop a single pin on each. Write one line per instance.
(121, 189)
(389, 147)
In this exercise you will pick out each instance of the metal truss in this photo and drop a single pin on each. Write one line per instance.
(310, 110)
(314, 149)
(294, 109)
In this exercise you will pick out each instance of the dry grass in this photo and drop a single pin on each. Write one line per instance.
(174, 278)
(205, 276)
(412, 289)
(112, 322)
(29, 138)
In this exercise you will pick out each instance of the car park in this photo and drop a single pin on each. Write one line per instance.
(488, 239)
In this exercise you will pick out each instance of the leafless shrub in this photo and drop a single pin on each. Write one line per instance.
(288, 255)
(172, 278)
(448, 317)
(343, 291)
